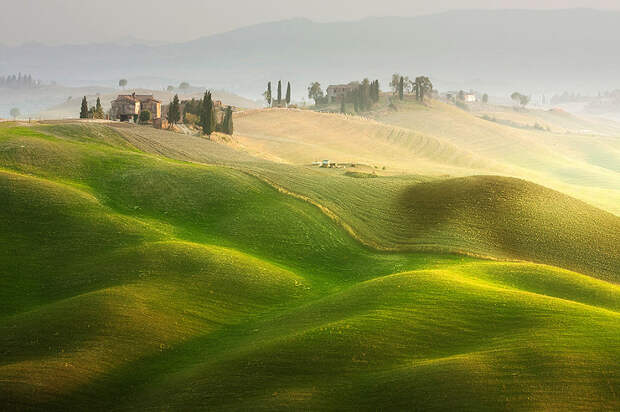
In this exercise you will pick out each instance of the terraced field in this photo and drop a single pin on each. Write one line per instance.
(147, 270)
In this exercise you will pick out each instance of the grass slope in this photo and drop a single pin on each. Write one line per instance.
(302, 136)
(138, 282)
(581, 163)
(490, 216)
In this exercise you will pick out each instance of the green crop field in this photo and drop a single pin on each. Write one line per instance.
(142, 269)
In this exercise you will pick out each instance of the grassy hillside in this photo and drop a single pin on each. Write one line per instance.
(135, 281)
(301, 137)
(582, 165)
(490, 216)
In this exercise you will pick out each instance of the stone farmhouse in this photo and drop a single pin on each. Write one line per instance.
(339, 92)
(127, 108)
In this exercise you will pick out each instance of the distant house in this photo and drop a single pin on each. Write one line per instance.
(148, 102)
(470, 98)
(127, 107)
(339, 92)
(467, 97)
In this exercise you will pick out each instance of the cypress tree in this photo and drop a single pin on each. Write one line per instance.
(401, 88)
(98, 110)
(228, 127)
(375, 91)
(174, 111)
(342, 107)
(279, 91)
(207, 118)
(268, 94)
(288, 93)
(84, 109)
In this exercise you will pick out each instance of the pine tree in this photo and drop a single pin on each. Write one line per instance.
(288, 93)
(207, 116)
(174, 111)
(84, 109)
(279, 91)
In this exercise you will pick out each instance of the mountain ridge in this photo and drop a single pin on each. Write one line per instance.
(530, 49)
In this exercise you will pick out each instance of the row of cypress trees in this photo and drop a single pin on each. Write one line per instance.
(269, 96)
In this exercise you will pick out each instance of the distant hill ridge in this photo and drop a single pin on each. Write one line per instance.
(495, 50)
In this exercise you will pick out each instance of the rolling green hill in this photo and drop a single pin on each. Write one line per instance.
(134, 280)
(491, 216)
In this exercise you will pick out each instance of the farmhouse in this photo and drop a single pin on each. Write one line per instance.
(467, 97)
(339, 92)
(127, 107)
(470, 98)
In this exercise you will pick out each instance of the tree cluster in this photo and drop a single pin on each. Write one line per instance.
(421, 86)
(521, 99)
(19, 81)
(203, 112)
(95, 112)
(365, 95)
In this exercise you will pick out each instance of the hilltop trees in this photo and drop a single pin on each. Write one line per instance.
(374, 91)
(315, 92)
(207, 115)
(84, 109)
(19, 81)
(174, 111)
(365, 95)
(288, 93)
(422, 86)
(122, 83)
(267, 94)
(395, 84)
(184, 85)
(15, 113)
(521, 99)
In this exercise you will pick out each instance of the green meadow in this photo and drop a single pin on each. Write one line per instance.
(142, 269)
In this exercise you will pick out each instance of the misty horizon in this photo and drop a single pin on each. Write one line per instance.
(71, 27)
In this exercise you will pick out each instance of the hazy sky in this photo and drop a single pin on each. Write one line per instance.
(75, 21)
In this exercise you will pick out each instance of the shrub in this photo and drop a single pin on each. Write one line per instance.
(190, 119)
(145, 116)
